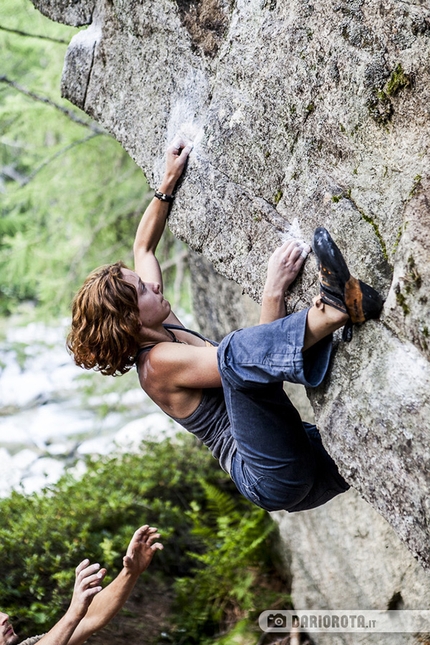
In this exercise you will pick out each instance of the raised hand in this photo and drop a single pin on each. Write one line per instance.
(176, 158)
(282, 269)
(87, 585)
(141, 549)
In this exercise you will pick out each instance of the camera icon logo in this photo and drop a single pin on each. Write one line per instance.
(279, 621)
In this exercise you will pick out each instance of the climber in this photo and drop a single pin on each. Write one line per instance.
(92, 607)
(230, 396)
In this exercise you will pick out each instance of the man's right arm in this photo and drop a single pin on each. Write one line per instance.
(152, 224)
(87, 586)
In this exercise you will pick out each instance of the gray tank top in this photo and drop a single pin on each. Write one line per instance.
(209, 422)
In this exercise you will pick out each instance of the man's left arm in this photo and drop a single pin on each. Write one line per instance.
(113, 597)
(87, 585)
(282, 269)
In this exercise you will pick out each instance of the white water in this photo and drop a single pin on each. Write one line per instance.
(53, 414)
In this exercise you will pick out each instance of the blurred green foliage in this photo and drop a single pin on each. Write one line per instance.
(71, 198)
(216, 543)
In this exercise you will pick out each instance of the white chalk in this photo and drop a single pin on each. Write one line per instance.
(294, 232)
(306, 249)
(181, 142)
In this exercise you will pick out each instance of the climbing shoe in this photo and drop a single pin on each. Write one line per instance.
(339, 288)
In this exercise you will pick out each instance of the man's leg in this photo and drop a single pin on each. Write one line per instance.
(295, 348)
(275, 465)
(322, 321)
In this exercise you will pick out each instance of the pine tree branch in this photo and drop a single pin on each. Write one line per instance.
(49, 160)
(44, 99)
(40, 36)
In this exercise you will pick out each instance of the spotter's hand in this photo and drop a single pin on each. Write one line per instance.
(87, 585)
(141, 549)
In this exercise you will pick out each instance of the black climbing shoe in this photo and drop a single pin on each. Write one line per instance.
(338, 288)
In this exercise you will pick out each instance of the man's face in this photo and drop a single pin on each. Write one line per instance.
(7, 635)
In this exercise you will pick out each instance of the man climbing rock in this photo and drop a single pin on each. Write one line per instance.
(229, 396)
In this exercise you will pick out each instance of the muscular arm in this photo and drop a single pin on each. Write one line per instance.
(111, 599)
(153, 221)
(283, 267)
(183, 366)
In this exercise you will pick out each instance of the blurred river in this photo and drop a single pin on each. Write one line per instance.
(53, 414)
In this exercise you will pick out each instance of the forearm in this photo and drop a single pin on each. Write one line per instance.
(152, 224)
(110, 600)
(105, 606)
(61, 633)
(272, 306)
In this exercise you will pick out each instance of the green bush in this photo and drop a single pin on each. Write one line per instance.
(216, 543)
(235, 553)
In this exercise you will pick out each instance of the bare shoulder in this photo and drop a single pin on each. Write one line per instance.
(174, 375)
(174, 365)
(165, 356)
(168, 357)
(159, 367)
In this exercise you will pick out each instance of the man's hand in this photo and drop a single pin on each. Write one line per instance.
(87, 585)
(141, 549)
(284, 265)
(176, 159)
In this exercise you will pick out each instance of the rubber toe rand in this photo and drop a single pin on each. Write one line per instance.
(339, 288)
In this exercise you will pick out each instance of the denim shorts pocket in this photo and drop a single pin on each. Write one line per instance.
(267, 493)
(246, 481)
(251, 491)
(254, 494)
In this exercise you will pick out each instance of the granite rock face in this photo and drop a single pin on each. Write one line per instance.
(302, 113)
(340, 556)
(345, 556)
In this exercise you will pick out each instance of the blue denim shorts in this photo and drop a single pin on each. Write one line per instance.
(280, 461)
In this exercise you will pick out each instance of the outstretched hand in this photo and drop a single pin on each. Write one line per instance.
(87, 585)
(284, 265)
(177, 156)
(141, 549)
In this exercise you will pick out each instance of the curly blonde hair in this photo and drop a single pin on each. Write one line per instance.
(105, 322)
